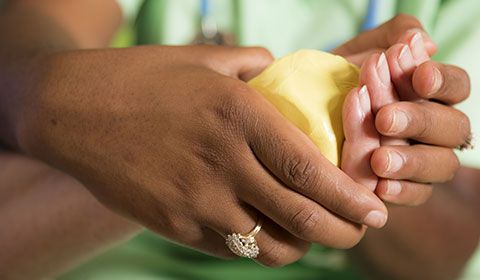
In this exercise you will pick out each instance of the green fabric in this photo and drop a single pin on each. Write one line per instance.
(149, 257)
(282, 26)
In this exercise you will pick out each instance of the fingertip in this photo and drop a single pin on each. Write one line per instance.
(379, 161)
(254, 60)
(431, 47)
(261, 52)
(364, 100)
(376, 74)
(368, 69)
(376, 219)
(388, 188)
(427, 80)
(400, 61)
(383, 120)
(417, 46)
(410, 194)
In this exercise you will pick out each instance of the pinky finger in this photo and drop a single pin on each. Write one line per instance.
(405, 193)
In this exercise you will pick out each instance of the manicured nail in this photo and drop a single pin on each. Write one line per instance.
(382, 70)
(393, 187)
(405, 59)
(437, 81)
(418, 48)
(375, 219)
(364, 99)
(394, 162)
(399, 121)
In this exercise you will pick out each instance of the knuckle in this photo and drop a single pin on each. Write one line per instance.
(299, 171)
(232, 106)
(304, 223)
(213, 157)
(424, 123)
(175, 226)
(379, 161)
(419, 165)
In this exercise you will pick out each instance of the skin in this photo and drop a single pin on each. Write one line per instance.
(82, 132)
(53, 221)
(386, 253)
(149, 151)
(445, 236)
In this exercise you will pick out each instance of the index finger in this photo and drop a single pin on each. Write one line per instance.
(397, 30)
(446, 83)
(293, 158)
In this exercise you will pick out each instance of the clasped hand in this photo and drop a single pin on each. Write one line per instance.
(173, 138)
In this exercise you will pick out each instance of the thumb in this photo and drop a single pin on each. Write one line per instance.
(242, 63)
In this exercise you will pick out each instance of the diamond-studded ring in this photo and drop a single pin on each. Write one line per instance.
(245, 245)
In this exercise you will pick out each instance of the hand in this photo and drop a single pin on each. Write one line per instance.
(407, 70)
(399, 30)
(171, 137)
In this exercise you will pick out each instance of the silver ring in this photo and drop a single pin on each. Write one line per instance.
(245, 245)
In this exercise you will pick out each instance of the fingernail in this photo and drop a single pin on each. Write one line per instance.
(375, 219)
(418, 48)
(383, 71)
(399, 121)
(364, 99)
(394, 162)
(394, 187)
(405, 59)
(427, 40)
(437, 81)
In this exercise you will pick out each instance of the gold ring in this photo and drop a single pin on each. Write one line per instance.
(245, 245)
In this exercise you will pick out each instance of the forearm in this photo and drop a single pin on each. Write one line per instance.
(30, 31)
(49, 221)
(433, 241)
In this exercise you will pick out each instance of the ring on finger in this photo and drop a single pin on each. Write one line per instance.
(245, 245)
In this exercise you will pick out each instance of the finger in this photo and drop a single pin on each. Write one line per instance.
(299, 215)
(359, 58)
(446, 83)
(239, 62)
(375, 74)
(417, 47)
(361, 137)
(277, 247)
(419, 163)
(293, 158)
(397, 30)
(403, 193)
(402, 65)
(427, 122)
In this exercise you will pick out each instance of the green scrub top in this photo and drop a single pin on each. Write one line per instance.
(282, 26)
